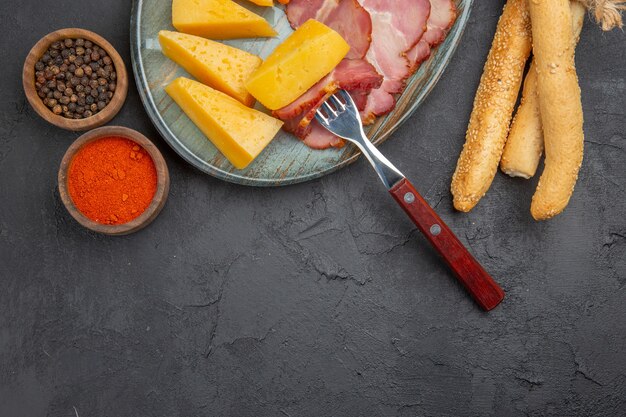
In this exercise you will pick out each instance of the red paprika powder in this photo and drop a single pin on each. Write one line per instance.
(112, 180)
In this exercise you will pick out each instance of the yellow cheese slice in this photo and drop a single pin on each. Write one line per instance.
(217, 65)
(304, 58)
(218, 19)
(265, 3)
(239, 132)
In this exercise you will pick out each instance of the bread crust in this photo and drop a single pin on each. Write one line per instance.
(560, 105)
(493, 106)
(524, 145)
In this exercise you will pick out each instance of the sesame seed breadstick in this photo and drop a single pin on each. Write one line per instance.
(524, 146)
(560, 105)
(493, 106)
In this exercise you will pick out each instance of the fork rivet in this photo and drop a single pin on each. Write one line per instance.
(409, 198)
(435, 230)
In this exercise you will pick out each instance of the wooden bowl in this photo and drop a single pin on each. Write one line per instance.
(98, 119)
(160, 196)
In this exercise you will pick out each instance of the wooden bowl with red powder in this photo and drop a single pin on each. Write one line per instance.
(113, 180)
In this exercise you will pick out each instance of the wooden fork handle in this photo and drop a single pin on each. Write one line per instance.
(468, 271)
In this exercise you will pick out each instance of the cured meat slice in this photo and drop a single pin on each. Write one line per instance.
(395, 37)
(357, 76)
(442, 16)
(320, 138)
(347, 17)
(354, 24)
(350, 74)
(397, 26)
(441, 19)
(299, 11)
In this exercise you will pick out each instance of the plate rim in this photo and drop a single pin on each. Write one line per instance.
(170, 138)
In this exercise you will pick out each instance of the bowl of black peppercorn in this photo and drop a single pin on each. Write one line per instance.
(75, 79)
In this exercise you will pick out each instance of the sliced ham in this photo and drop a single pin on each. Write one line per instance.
(347, 17)
(350, 74)
(353, 22)
(394, 36)
(397, 26)
(320, 138)
(442, 17)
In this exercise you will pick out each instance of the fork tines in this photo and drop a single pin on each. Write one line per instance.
(335, 105)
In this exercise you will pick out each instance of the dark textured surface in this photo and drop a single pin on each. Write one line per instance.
(317, 299)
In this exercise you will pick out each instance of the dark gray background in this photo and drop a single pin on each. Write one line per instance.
(318, 299)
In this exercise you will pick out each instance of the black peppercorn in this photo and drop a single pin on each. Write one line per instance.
(75, 78)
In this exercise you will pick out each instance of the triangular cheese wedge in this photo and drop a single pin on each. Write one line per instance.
(239, 132)
(217, 65)
(304, 58)
(218, 19)
(265, 3)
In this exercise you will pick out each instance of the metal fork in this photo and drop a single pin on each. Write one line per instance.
(340, 116)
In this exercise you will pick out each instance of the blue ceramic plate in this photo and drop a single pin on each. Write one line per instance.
(286, 160)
